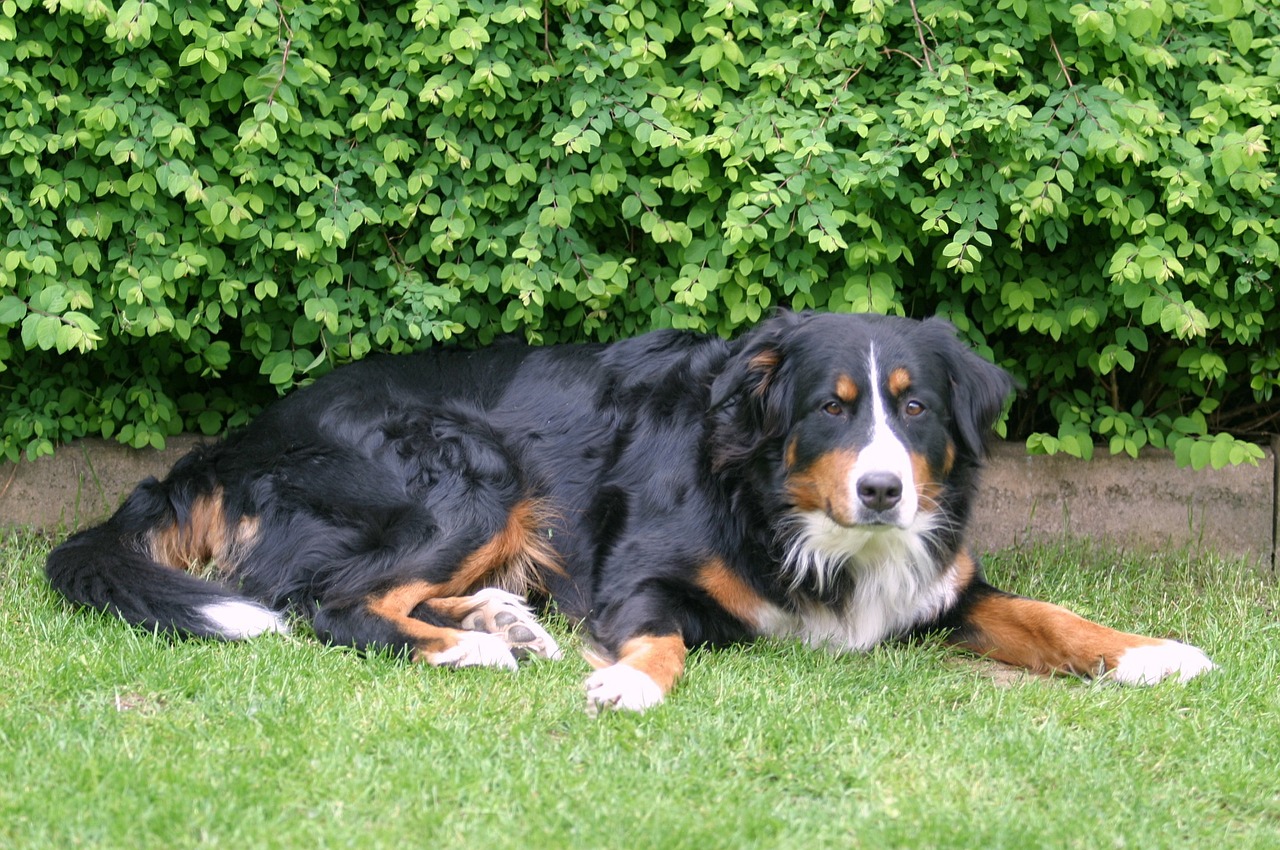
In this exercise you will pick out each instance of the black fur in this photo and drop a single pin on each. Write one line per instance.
(650, 458)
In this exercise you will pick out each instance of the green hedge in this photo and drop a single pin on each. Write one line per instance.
(208, 202)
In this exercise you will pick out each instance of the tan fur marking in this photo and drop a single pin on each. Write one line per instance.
(765, 363)
(928, 487)
(203, 538)
(846, 389)
(659, 658)
(789, 457)
(452, 607)
(965, 569)
(206, 544)
(247, 531)
(1045, 638)
(899, 382)
(395, 605)
(730, 592)
(512, 559)
(824, 485)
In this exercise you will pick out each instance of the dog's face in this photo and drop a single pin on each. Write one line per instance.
(867, 442)
(874, 417)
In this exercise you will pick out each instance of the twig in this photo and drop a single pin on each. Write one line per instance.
(915, 14)
(1061, 64)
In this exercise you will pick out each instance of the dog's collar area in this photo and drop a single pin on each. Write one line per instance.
(817, 550)
(857, 587)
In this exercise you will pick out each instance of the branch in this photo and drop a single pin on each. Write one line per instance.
(546, 29)
(284, 59)
(1061, 64)
(887, 52)
(915, 15)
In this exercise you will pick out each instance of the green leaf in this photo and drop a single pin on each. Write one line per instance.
(282, 373)
(12, 310)
(210, 422)
(46, 331)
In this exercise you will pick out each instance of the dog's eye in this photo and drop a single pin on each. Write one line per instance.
(913, 408)
(834, 408)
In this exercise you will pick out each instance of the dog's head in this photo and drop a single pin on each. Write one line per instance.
(864, 422)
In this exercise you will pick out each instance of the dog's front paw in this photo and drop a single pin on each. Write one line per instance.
(621, 688)
(475, 649)
(1147, 665)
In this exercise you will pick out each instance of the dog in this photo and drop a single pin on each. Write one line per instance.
(811, 480)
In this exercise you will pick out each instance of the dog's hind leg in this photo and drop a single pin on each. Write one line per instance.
(490, 628)
(504, 568)
(440, 577)
(385, 621)
(468, 614)
(500, 613)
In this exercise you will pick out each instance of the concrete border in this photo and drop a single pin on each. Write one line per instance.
(81, 483)
(1147, 502)
(1144, 503)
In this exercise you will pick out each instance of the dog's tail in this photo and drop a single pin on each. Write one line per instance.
(134, 565)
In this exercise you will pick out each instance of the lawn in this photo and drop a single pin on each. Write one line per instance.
(114, 738)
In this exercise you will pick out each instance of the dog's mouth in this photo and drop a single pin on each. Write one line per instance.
(875, 525)
(863, 519)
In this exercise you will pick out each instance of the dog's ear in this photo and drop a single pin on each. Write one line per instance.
(755, 369)
(751, 397)
(979, 389)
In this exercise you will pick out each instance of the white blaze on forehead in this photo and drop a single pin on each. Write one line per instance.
(884, 453)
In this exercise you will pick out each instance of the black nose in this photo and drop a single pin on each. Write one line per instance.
(880, 491)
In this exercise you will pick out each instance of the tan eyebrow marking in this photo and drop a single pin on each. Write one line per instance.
(899, 381)
(846, 389)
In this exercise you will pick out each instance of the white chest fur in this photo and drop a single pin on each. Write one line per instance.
(896, 585)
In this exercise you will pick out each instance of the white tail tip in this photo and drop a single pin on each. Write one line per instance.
(240, 620)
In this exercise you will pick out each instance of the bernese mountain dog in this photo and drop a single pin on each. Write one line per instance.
(811, 480)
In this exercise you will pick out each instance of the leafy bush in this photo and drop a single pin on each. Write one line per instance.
(209, 200)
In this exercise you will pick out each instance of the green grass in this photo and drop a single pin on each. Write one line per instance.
(114, 738)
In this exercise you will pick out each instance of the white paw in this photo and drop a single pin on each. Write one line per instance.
(498, 596)
(621, 688)
(475, 649)
(1147, 665)
(509, 617)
